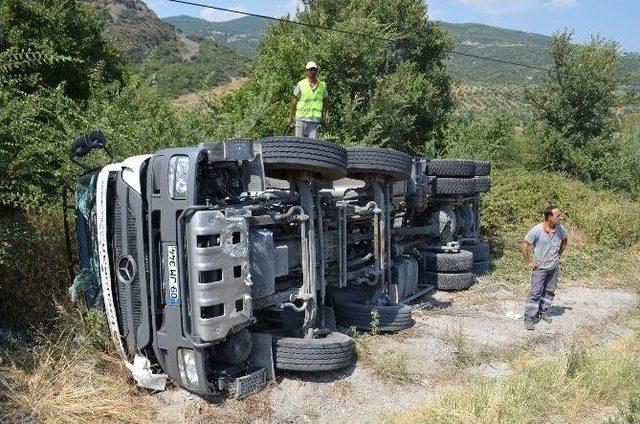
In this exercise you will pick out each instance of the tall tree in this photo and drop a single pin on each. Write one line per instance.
(69, 28)
(387, 88)
(577, 96)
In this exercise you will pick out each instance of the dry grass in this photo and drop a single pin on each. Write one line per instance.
(231, 411)
(576, 386)
(67, 379)
(388, 365)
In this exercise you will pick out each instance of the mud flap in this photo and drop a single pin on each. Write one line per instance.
(262, 354)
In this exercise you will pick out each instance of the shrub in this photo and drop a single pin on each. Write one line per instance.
(518, 198)
(492, 138)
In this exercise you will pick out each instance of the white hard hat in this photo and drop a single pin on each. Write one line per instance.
(311, 64)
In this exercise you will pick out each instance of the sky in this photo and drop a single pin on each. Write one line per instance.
(617, 20)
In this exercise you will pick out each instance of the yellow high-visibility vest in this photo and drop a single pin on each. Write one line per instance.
(310, 102)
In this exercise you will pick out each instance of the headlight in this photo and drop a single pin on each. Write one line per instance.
(178, 176)
(187, 366)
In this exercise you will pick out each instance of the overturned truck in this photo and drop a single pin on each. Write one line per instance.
(222, 263)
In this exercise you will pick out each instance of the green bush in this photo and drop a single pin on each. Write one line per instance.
(607, 161)
(518, 197)
(70, 28)
(492, 138)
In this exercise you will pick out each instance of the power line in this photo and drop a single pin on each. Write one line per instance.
(272, 18)
(360, 34)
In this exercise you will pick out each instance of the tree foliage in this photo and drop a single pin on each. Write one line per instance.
(71, 29)
(389, 93)
(578, 95)
(576, 110)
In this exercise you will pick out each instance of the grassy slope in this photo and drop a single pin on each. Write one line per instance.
(604, 227)
(242, 34)
(213, 65)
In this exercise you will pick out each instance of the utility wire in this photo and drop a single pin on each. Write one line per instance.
(360, 34)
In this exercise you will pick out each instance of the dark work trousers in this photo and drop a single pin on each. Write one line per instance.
(543, 287)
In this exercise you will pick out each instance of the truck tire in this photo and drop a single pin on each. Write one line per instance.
(451, 280)
(448, 262)
(481, 251)
(453, 186)
(483, 168)
(282, 155)
(391, 317)
(483, 184)
(451, 168)
(378, 161)
(333, 352)
(481, 268)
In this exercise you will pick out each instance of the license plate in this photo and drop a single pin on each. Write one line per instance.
(173, 280)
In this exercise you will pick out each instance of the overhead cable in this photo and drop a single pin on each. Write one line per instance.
(364, 35)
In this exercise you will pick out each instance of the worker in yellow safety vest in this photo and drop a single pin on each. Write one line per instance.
(310, 102)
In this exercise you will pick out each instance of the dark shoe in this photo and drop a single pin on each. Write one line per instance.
(528, 323)
(544, 316)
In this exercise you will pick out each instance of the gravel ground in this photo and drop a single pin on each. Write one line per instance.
(482, 321)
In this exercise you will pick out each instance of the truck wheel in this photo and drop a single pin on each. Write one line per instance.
(452, 186)
(282, 155)
(448, 262)
(483, 184)
(481, 251)
(333, 352)
(483, 168)
(451, 280)
(451, 168)
(390, 317)
(481, 268)
(379, 161)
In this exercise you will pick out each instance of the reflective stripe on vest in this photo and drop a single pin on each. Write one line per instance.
(310, 102)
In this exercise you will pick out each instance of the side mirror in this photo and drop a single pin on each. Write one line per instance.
(83, 144)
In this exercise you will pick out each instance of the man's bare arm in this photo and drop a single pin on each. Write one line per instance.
(325, 110)
(292, 109)
(525, 248)
(563, 245)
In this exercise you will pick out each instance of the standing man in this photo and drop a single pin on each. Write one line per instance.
(310, 102)
(549, 240)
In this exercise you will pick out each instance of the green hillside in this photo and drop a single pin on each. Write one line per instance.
(209, 67)
(242, 34)
(179, 63)
(509, 45)
(499, 43)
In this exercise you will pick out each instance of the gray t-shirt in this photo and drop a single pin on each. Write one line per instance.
(546, 247)
(298, 90)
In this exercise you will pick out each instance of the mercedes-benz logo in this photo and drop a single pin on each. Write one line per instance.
(127, 269)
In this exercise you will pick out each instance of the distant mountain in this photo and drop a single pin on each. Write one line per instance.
(178, 63)
(508, 45)
(498, 43)
(244, 34)
(135, 28)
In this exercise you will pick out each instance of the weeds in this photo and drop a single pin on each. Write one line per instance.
(388, 365)
(457, 339)
(375, 322)
(391, 366)
(575, 387)
(68, 377)
(628, 415)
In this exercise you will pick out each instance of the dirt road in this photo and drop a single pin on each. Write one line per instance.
(457, 336)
